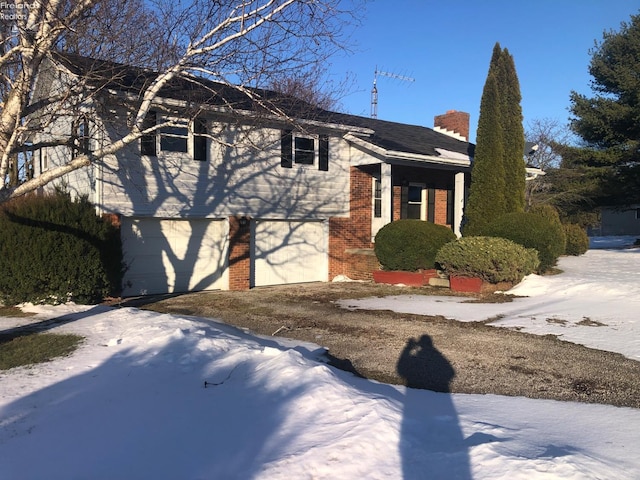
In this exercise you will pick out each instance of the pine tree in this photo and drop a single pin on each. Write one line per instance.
(609, 122)
(512, 134)
(498, 174)
(486, 195)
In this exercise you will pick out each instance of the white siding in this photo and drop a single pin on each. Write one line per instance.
(235, 181)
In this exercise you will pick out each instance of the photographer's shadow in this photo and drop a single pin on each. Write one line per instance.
(431, 444)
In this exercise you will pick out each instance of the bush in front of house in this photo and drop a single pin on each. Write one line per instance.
(54, 249)
(531, 231)
(577, 239)
(550, 213)
(492, 259)
(410, 245)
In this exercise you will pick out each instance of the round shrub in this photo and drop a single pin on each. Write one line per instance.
(410, 245)
(492, 259)
(54, 249)
(550, 213)
(577, 239)
(531, 231)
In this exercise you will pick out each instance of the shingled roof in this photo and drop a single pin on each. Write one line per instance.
(389, 136)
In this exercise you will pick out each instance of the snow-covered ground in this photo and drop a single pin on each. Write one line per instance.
(131, 403)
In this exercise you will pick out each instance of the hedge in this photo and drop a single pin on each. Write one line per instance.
(54, 249)
(531, 231)
(492, 259)
(410, 245)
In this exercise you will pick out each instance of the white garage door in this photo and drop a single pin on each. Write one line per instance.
(168, 256)
(289, 252)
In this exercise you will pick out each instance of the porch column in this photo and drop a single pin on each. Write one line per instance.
(458, 202)
(387, 187)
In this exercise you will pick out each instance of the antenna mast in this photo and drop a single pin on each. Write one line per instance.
(374, 90)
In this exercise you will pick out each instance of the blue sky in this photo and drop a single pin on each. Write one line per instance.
(446, 47)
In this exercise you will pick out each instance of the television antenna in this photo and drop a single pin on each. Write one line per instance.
(374, 90)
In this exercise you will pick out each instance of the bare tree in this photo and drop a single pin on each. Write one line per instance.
(312, 85)
(547, 135)
(237, 43)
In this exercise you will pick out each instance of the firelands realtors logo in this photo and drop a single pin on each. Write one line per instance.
(16, 11)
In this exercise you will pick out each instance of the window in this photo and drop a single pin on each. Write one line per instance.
(175, 138)
(377, 198)
(80, 137)
(414, 202)
(44, 159)
(637, 213)
(304, 150)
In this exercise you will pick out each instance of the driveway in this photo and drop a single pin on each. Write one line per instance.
(369, 343)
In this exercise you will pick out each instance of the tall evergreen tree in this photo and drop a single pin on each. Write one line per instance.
(498, 174)
(486, 196)
(609, 122)
(512, 134)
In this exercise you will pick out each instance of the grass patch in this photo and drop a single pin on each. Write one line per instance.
(16, 351)
(586, 321)
(14, 312)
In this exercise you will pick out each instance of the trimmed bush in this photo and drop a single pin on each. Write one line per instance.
(410, 245)
(550, 213)
(531, 231)
(577, 239)
(54, 249)
(492, 259)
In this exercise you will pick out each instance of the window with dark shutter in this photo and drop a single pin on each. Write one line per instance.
(80, 137)
(148, 142)
(323, 153)
(286, 147)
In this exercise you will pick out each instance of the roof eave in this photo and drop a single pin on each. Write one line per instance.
(394, 156)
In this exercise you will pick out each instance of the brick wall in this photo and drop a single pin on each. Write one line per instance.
(239, 254)
(114, 219)
(440, 213)
(350, 238)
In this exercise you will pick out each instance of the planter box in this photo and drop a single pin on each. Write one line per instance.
(465, 284)
(395, 277)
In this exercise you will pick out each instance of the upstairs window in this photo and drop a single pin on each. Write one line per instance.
(304, 150)
(80, 137)
(180, 137)
(175, 138)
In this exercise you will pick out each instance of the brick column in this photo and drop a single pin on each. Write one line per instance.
(239, 253)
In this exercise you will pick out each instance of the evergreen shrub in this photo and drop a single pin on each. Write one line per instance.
(577, 239)
(410, 245)
(550, 213)
(492, 259)
(531, 231)
(54, 249)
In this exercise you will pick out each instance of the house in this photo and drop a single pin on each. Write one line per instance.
(228, 195)
(620, 220)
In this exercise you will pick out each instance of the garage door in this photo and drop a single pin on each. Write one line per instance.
(168, 256)
(289, 252)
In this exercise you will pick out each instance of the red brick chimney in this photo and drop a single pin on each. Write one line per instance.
(453, 123)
